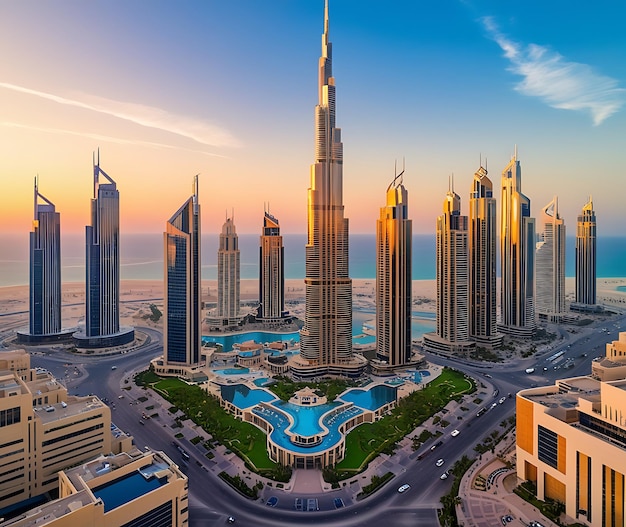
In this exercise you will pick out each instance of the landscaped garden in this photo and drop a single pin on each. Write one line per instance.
(363, 443)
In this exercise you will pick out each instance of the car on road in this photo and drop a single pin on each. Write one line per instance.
(272, 501)
(501, 400)
(438, 443)
(444, 475)
(440, 462)
(231, 519)
(454, 433)
(338, 503)
(404, 488)
(494, 405)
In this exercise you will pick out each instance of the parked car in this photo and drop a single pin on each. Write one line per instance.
(440, 462)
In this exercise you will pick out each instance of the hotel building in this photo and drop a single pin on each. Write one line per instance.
(586, 257)
(326, 338)
(228, 269)
(550, 262)
(393, 277)
(45, 274)
(517, 256)
(138, 489)
(571, 440)
(482, 262)
(102, 313)
(45, 430)
(452, 334)
(271, 272)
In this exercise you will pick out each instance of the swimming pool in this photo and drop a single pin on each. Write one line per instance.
(421, 322)
(232, 371)
(371, 399)
(243, 397)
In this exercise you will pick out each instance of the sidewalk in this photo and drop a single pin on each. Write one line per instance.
(484, 505)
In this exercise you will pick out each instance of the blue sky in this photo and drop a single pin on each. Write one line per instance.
(227, 89)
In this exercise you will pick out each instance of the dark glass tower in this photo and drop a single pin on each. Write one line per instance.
(182, 284)
(272, 271)
(586, 255)
(45, 268)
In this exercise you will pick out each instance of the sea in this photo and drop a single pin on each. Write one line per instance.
(141, 257)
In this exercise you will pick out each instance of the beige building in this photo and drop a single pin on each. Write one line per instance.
(571, 440)
(145, 488)
(44, 430)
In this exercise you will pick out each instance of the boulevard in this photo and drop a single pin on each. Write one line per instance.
(211, 501)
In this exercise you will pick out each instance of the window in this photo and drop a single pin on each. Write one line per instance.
(548, 446)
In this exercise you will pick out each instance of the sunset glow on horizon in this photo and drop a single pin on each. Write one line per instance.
(228, 89)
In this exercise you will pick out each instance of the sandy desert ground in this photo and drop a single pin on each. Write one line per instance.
(137, 295)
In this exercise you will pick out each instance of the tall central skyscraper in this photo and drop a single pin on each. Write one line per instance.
(517, 249)
(393, 277)
(102, 317)
(326, 338)
(182, 322)
(45, 268)
(586, 256)
(482, 262)
(550, 262)
(272, 271)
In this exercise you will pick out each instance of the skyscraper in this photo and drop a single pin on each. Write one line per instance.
(228, 266)
(393, 277)
(102, 316)
(517, 251)
(326, 338)
(482, 262)
(45, 269)
(183, 314)
(550, 262)
(586, 256)
(272, 271)
(452, 320)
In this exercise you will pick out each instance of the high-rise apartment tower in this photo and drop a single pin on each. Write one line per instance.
(550, 262)
(482, 251)
(586, 256)
(228, 269)
(272, 271)
(393, 277)
(517, 255)
(452, 322)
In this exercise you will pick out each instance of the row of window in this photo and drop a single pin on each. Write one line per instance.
(10, 416)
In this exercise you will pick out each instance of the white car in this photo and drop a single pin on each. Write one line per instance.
(454, 433)
(440, 462)
(444, 476)
(404, 488)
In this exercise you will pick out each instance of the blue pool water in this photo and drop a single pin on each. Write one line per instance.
(261, 381)
(306, 419)
(126, 489)
(422, 322)
(233, 371)
(371, 399)
(243, 397)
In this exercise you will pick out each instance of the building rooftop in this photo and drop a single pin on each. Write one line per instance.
(74, 406)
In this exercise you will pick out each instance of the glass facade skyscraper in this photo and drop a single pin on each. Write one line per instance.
(183, 314)
(102, 313)
(45, 268)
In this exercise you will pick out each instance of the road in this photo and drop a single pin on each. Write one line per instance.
(211, 501)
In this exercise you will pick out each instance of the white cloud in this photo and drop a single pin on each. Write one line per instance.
(104, 138)
(148, 116)
(557, 82)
